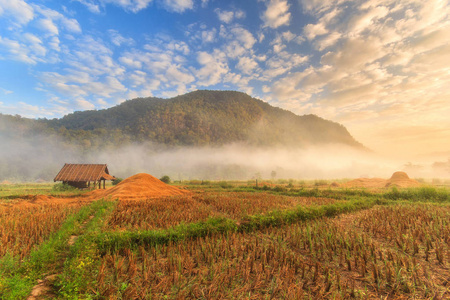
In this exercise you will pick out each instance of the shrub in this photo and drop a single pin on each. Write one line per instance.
(165, 179)
(225, 185)
(117, 181)
(320, 182)
(279, 189)
(63, 187)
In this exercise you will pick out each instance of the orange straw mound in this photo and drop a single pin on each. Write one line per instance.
(398, 179)
(139, 186)
(366, 183)
(401, 179)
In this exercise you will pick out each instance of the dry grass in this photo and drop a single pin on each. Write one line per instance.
(360, 255)
(168, 212)
(24, 224)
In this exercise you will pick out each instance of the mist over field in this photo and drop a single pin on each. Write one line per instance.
(41, 157)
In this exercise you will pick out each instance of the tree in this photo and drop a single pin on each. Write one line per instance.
(273, 174)
(165, 179)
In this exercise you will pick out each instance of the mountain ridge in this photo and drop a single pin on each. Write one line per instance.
(208, 118)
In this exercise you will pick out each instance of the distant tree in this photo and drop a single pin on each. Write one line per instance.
(273, 174)
(165, 179)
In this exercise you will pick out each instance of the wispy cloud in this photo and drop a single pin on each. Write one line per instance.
(178, 6)
(277, 13)
(380, 59)
(228, 16)
(118, 39)
(18, 10)
(135, 6)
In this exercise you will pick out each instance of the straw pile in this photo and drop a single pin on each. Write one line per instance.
(398, 179)
(137, 187)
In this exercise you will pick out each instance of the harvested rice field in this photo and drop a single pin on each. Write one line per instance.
(217, 241)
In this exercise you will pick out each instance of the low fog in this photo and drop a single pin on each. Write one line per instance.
(41, 157)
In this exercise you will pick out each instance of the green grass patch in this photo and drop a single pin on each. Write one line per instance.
(82, 263)
(115, 241)
(427, 194)
(18, 277)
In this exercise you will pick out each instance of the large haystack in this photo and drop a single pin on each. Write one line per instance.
(139, 186)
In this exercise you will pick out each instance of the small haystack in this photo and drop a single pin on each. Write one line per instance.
(398, 179)
(402, 180)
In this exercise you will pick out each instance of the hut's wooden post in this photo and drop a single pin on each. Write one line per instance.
(100, 184)
(104, 184)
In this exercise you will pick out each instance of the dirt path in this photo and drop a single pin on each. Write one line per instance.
(44, 287)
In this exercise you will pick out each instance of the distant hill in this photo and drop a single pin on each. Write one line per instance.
(201, 118)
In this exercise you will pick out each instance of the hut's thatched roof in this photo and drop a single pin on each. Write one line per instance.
(84, 173)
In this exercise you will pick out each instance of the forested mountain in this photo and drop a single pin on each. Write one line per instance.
(130, 136)
(199, 118)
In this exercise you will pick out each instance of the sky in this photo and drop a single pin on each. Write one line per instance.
(380, 67)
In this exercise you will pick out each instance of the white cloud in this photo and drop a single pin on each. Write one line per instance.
(224, 16)
(5, 91)
(130, 61)
(282, 62)
(208, 36)
(243, 36)
(385, 60)
(35, 45)
(50, 17)
(214, 66)
(178, 6)
(33, 111)
(71, 25)
(355, 54)
(138, 78)
(247, 65)
(118, 40)
(19, 10)
(18, 51)
(177, 76)
(319, 6)
(311, 31)
(277, 14)
(361, 22)
(49, 26)
(236, 40)
(228, 16)
(130, 5)
(92, 7)
(325, 22)
(327, 41)
(83, 104)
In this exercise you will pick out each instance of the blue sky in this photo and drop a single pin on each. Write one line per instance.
(380, 67)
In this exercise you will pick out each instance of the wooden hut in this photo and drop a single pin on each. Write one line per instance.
(82, 175)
